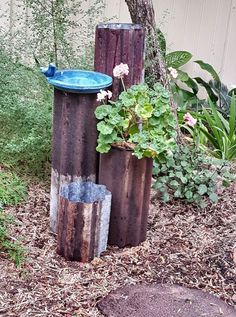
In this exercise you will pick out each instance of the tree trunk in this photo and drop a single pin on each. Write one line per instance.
(142, 12)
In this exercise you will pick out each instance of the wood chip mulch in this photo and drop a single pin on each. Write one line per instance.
(185, 245)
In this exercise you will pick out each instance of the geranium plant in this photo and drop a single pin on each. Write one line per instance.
(140, 120)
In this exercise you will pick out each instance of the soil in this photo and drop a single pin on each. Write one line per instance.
(185, 245)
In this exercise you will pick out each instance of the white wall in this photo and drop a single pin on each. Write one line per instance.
(204, 27)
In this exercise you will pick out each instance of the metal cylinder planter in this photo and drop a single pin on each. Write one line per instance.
(129, 180)
(83, 221)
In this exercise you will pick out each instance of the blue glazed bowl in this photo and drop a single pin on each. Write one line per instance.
(77, 81)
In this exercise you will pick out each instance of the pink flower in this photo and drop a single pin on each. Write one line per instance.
(101, 95)
(121, 70)
(189, 120)
(109, 94)
(173, 72)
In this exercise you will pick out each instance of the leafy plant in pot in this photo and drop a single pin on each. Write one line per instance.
(140, 120)
(135, 128)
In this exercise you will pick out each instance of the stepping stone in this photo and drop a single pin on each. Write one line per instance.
(163, 301)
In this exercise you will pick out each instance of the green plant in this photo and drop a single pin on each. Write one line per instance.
(220, 132)
(13, 249)
(140, 120)
(186, 174)
(58, 31)
(25, 116)
(185, 89)
(12, 188)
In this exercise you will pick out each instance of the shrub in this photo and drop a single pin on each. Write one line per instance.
(25, 116)
(12, 189)
(12, 248)
(187, 174)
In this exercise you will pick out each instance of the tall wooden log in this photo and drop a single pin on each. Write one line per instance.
(117, 43)
(74, 156)
(83, 221)
(128, 178)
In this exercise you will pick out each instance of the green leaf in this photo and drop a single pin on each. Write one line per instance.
(178, 58)
(184, 77)
(104, 128)
(102, 111)
(144, 111)
(177, 193)
(103, 148)
(214, 197)
(189, 194)
(210, 92)
(202, 189)
(232, 118)
(166, 197)
(209, 69)
(161, 41)
(174, 183)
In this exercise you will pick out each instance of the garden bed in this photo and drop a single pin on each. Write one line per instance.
(185, 245)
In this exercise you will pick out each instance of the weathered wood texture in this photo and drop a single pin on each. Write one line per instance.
(78, 224)
(129, 180)
(120, 43)
(74, 156)
(142, 12)
(83, 221)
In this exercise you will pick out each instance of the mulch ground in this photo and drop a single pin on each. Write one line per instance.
(185, 245)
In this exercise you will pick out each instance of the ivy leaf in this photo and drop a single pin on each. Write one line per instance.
(104, 128)
(189, 194)
(144, 111)
(202, 189)
(174, 184)
(165, 197)
(213, 197)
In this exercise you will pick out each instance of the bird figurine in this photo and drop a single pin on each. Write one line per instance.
(49, 71)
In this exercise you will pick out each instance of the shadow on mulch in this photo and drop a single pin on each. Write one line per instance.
(158, 300)
(185, 245)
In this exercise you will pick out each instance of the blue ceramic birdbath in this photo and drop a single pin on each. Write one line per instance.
(76, 81)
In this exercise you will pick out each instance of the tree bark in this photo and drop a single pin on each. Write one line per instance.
(142, 12)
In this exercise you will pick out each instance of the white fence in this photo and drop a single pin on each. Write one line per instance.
(204, 27)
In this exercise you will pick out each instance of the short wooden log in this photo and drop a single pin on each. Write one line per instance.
(129, 180)
(83, 221)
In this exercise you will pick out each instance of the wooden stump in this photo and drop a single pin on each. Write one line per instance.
(83, 221)
(129, 180)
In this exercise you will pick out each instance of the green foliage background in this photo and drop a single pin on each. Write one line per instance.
(25, 116)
